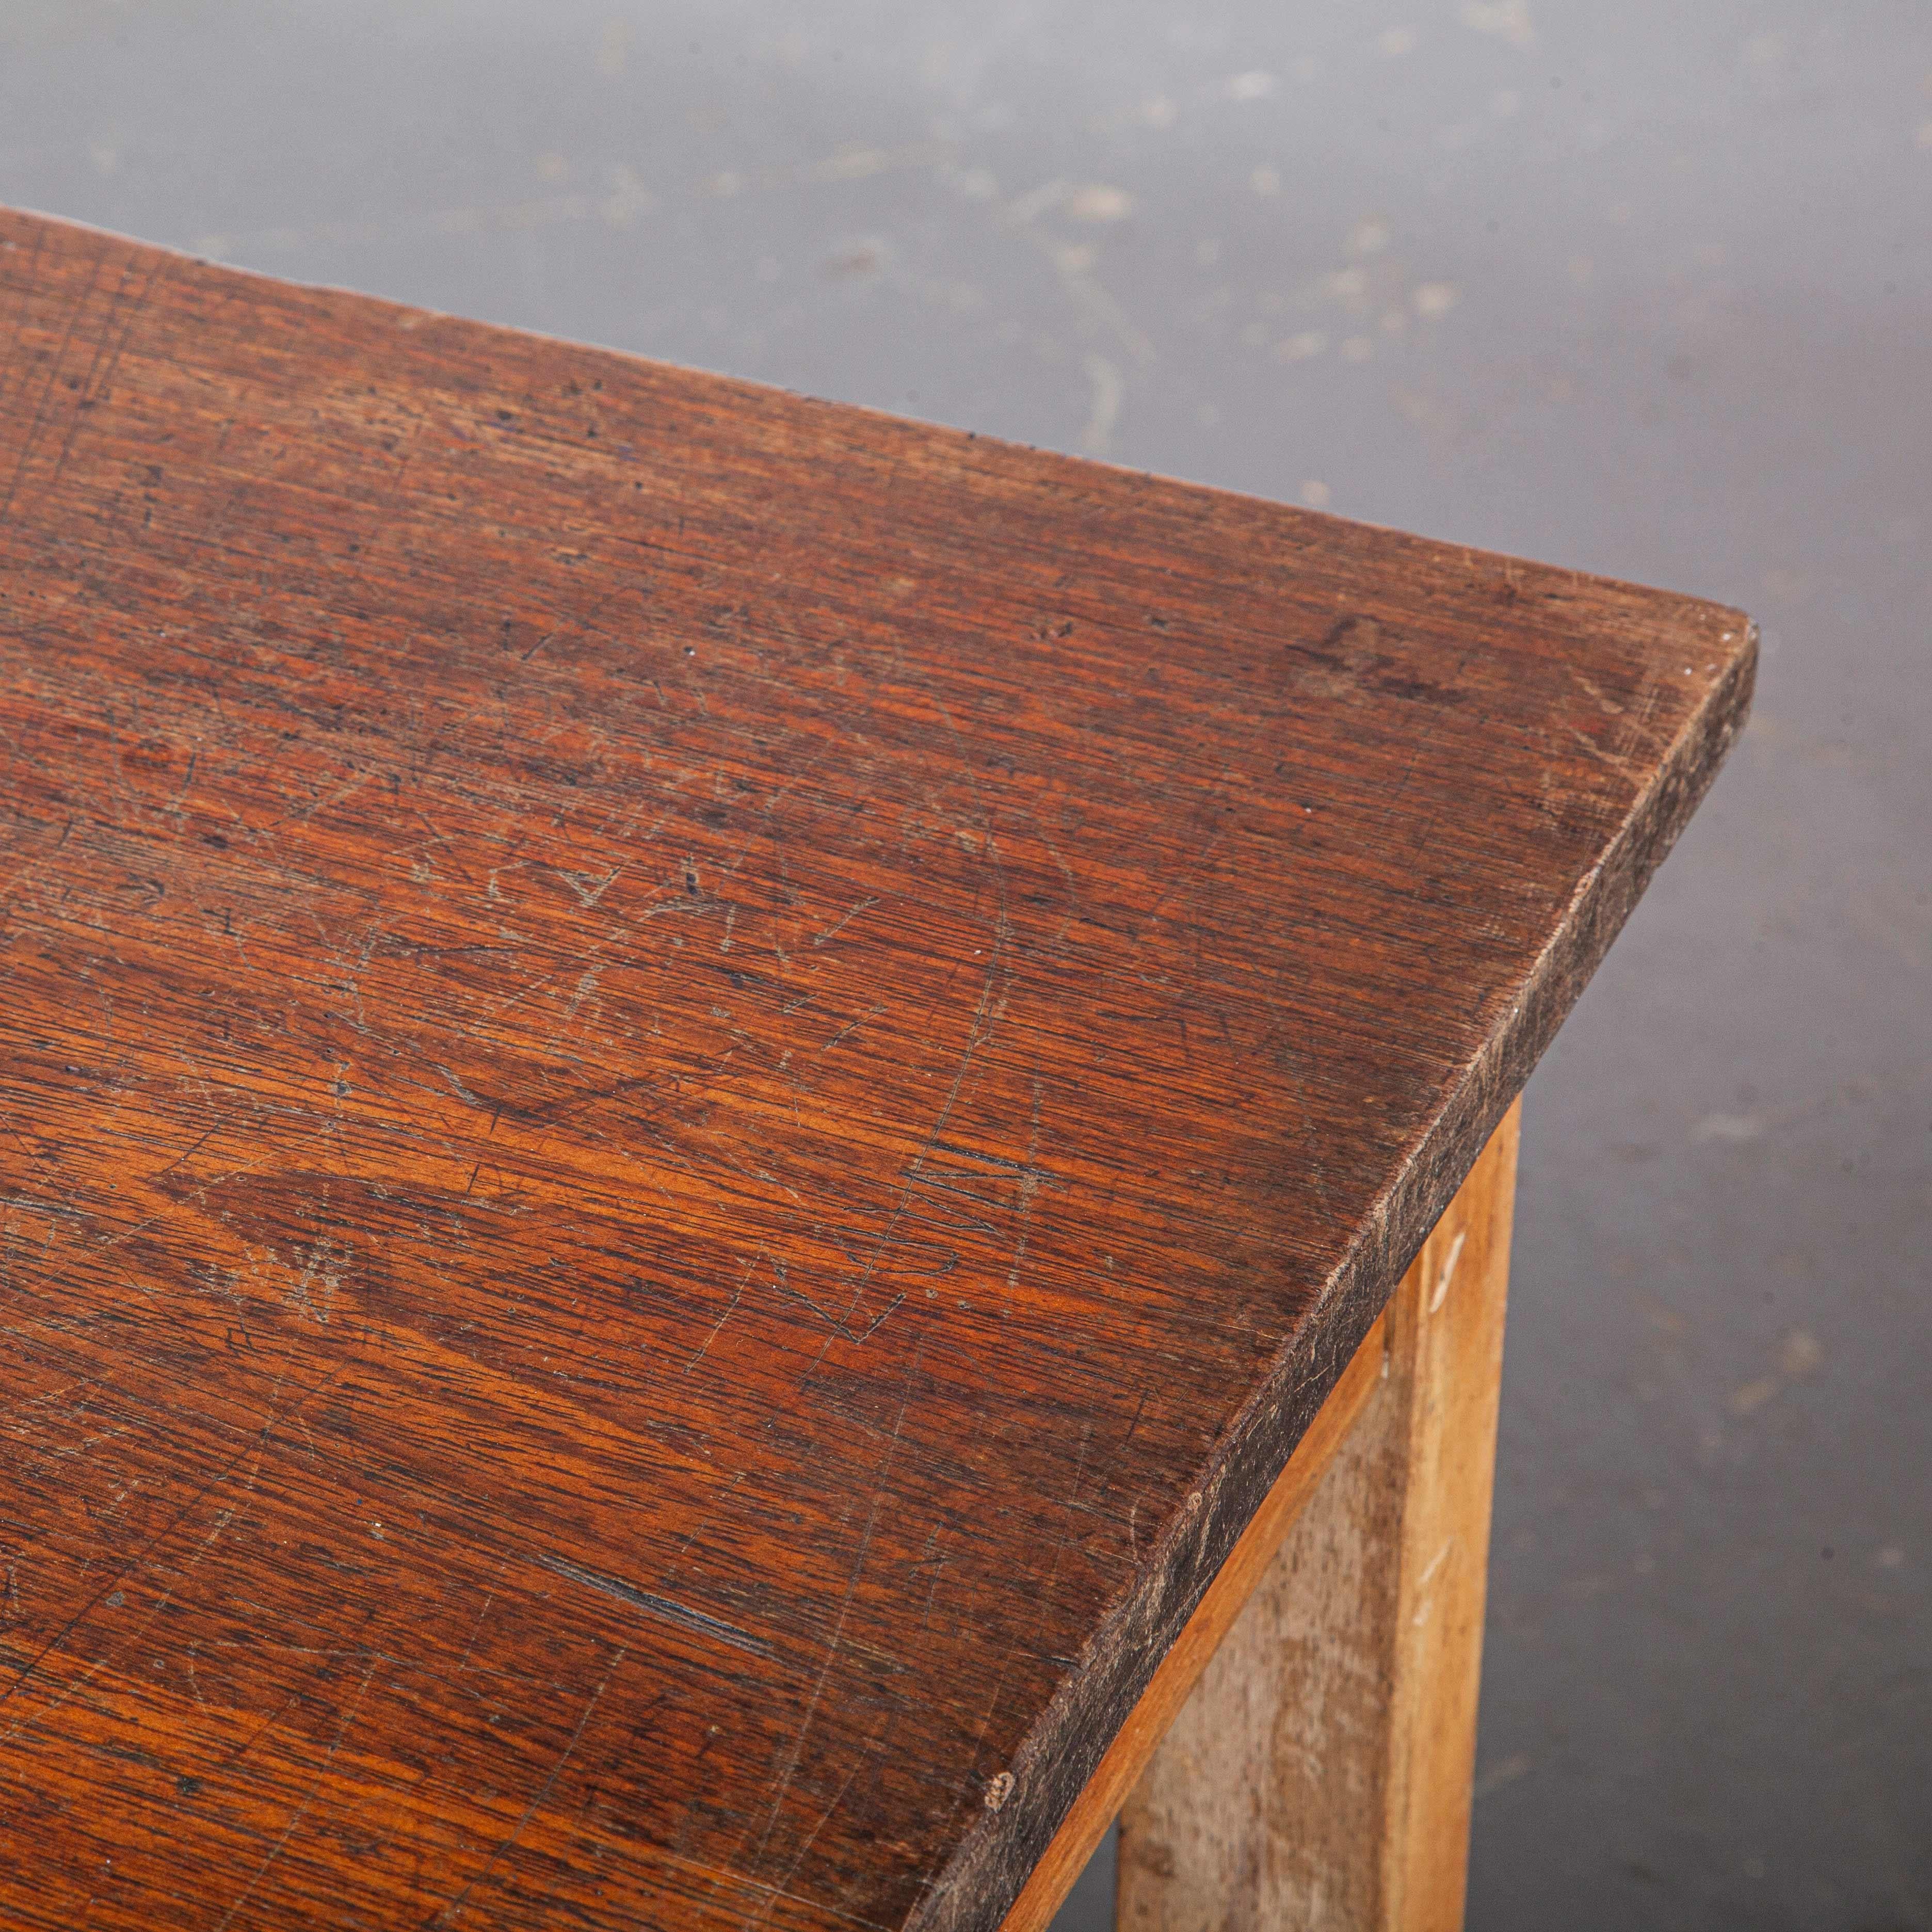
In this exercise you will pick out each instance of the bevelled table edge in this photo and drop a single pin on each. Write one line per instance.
(990, 1866)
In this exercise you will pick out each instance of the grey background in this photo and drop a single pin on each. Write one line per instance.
(1644, 289)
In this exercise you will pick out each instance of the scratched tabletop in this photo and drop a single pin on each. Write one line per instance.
(695, 1089)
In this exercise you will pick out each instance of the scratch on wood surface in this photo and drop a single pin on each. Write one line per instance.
(134, 1565)
(838, 1637)
(301, 1810)
(718, 1326)
(832, 932)
(453, 1910)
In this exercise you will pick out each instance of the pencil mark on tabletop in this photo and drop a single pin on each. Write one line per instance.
(662, 1608)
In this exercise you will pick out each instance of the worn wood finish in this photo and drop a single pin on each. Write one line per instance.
(695, 1091)
(1319, 1778)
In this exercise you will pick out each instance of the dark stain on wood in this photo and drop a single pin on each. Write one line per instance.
(697, 1088)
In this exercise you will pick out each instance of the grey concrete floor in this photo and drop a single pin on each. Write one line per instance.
(1644, 289)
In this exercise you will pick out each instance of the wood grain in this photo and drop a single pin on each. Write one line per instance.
(676, 1064)
(1320, 1776)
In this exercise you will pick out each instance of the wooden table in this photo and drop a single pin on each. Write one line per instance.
(707, 1105)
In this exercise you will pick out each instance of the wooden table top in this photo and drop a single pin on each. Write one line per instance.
(695, 1088)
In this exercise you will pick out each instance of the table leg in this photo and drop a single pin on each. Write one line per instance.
(1319, 1774)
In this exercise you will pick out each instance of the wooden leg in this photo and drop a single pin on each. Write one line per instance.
(1319, 1775)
